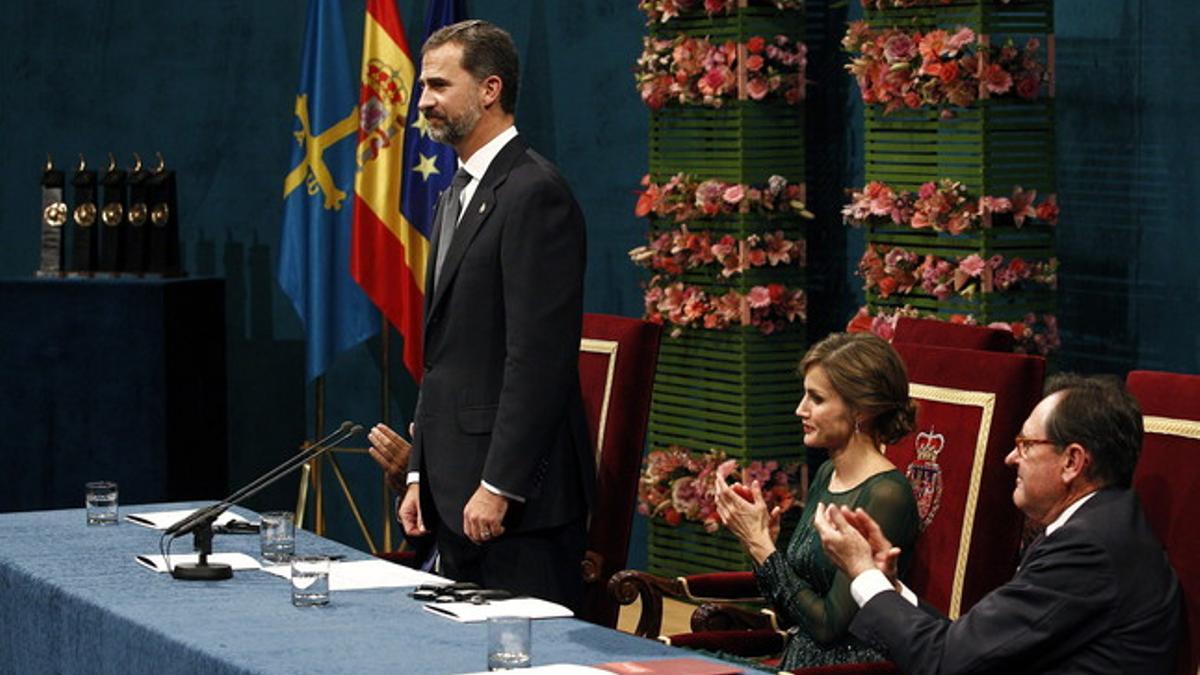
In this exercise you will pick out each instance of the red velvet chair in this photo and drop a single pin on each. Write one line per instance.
(1167, 480)
(932, 333)
(617, 359)
(972, 405)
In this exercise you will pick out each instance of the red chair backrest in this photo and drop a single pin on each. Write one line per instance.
(617, 360)
(1167, 480)
(932, 333)
(971, 406)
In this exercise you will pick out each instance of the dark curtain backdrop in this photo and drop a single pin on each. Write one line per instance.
(211, 85)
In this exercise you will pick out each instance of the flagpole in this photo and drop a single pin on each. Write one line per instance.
(319, 499)
(385, 402)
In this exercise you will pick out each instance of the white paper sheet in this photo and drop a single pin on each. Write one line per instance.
(238, 561)
(161, 520)
(357, 575)
(469, 612)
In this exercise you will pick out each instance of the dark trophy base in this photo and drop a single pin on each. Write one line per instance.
(202, 571)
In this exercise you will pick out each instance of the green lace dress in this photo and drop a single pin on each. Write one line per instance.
(810, 595)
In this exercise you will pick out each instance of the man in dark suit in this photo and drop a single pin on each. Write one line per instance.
(1093, 594)
(501, 469)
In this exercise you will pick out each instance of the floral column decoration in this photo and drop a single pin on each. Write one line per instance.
(959, 205)
(724, 81)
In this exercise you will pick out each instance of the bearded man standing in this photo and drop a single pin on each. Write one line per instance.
(501, 469)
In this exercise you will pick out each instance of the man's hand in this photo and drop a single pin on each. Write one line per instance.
(843, 543)
(886, 556)
(483, 515)
(410, 511)
(391, 452)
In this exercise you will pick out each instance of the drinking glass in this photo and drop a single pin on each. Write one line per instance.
(100, 498)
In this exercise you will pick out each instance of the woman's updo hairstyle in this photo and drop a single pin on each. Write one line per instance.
(869, 375)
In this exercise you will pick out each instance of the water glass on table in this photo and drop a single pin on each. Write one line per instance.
(508, 643)
(277, 536)
(310, 580)
(100, 500)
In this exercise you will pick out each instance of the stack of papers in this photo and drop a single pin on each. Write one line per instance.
(469, 612)
(362, 574)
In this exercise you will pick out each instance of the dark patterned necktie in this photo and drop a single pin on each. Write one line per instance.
(449, 221)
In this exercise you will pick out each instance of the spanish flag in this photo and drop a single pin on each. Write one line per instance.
(388, 251)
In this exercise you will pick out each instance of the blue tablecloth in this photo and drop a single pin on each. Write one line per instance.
(72, 599)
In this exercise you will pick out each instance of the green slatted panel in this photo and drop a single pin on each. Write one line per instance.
(688, 549)
(733, 390)
(1031, 242)
(742, 142)
(990, 148)
(1017, 17)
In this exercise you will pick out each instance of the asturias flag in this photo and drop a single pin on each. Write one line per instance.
(402, 172)
(314, 258)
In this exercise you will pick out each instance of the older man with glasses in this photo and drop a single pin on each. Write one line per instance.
(1093, 594)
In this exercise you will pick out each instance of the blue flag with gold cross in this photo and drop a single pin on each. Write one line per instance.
(314, 247)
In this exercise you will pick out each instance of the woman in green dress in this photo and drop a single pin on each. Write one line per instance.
(855, 401)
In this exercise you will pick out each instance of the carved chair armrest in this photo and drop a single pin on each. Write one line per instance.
(712, 616)
(627, 586)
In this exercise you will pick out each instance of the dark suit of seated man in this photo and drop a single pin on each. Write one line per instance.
(1094, 594)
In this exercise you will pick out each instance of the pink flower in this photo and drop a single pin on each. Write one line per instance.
(899, 47)
(757, 88)
(960, 39)
(734, 194)
(1022, 205)
(996, 79)
(884, 327)
(717, 81)
(759, 297)
(995, 204)
(972, 265)
(754, 63)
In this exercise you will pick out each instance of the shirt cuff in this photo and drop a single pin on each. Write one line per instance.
(873, 582)
(413, 477)
(869, 584)
(497, 491)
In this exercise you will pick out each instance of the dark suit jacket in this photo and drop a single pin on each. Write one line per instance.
(500, 398)
(1096, 596)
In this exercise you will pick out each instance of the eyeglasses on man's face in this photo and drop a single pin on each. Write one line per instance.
(1022, 445)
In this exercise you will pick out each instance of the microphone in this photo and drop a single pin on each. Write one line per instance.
(185, 524)
(200, 522)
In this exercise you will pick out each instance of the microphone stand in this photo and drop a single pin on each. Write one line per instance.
(200, 522)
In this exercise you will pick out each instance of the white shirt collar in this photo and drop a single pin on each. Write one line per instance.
(1067, 513)
(479, 162)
